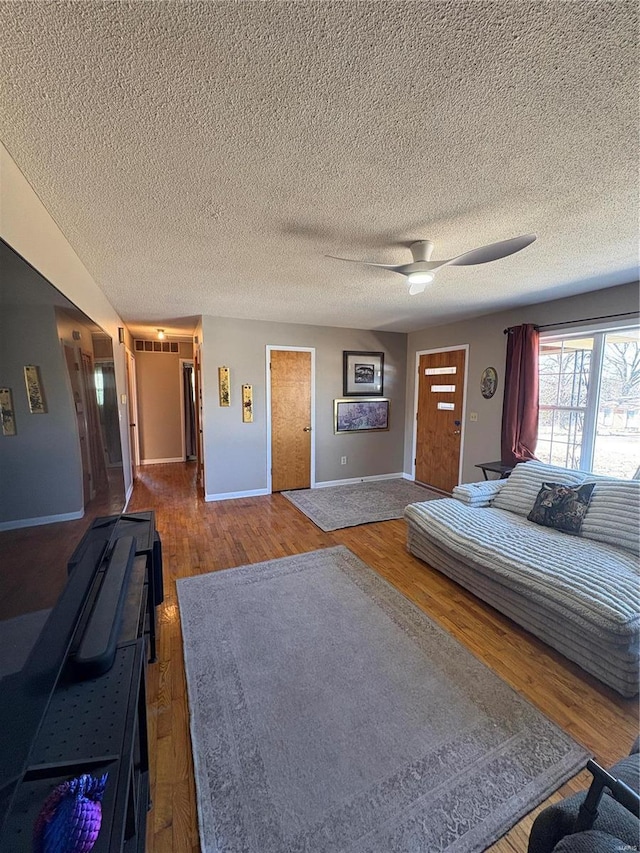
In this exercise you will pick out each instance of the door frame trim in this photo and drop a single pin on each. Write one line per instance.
(312, 350)
(416, 379)
(132, 410)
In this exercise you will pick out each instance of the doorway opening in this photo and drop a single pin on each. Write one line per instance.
(188, 403)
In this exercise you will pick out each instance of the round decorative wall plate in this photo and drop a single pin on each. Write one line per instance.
(489, 382)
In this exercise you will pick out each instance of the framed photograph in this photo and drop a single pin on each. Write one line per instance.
(362, 374)
(361, 415)
(35, 395)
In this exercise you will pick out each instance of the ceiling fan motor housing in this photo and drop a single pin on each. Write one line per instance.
(421, 250)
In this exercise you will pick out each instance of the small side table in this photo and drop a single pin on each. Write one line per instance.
(495, 467)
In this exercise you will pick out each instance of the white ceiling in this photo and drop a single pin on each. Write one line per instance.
(203, 158)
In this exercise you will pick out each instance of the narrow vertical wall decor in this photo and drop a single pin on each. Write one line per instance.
(247, 404)
(7, 415)
(35, 395)
(224, 386)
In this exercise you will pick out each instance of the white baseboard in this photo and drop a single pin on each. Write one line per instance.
(325, 483)
(231, 496)
(408, 477)
(161, 461)
(42, 519)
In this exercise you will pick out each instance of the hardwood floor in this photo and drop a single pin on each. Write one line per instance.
(201, 537)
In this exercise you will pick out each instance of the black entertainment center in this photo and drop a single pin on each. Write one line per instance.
(93, 649)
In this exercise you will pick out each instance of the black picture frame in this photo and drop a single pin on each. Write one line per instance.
(362, 374)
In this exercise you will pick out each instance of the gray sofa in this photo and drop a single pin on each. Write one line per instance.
(578, 593)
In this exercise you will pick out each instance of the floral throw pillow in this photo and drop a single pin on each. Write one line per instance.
(562, 507)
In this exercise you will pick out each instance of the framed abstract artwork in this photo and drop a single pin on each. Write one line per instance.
(35, 394)
(247, 404)
(488, 382)
(224, 386)
(7, 413)
(364, 415)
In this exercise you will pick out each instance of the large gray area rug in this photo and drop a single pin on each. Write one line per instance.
(328, 713)
(334, 507)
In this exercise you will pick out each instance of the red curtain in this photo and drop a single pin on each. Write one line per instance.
(520, 407)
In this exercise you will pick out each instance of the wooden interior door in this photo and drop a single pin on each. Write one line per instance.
(290, 420)
(439, 427)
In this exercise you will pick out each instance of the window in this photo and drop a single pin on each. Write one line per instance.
(590, 401)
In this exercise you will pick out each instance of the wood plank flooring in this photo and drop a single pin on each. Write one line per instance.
(201, 537)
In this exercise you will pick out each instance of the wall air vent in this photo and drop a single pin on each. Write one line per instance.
(156, 346)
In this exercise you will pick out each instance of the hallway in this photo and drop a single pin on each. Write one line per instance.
(200, 537)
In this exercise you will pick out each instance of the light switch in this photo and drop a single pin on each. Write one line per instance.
(473, 416)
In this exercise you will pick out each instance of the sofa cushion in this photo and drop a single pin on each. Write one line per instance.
(519, 493)
(613, 516)
(561, 507)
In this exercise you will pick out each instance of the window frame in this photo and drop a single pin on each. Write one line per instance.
(592, 402)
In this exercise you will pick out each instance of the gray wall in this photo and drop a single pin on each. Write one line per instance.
(236, 453)
(41, 466)
(487, 347)
(26, 225)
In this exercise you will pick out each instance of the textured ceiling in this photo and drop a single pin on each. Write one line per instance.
(203, 158)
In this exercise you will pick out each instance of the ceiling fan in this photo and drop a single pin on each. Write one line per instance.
(420, 271)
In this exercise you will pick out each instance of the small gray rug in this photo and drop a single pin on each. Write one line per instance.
(334, 507)
(329, 714)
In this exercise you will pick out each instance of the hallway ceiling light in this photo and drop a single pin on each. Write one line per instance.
(161, 334)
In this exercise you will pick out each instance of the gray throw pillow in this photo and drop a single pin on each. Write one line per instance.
(561, 507)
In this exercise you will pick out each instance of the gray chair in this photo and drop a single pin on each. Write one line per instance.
(601, 820)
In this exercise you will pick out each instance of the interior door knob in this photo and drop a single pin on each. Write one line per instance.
(456, 432)
(306, 429)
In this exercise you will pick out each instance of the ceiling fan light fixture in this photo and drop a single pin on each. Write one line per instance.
(419, 277)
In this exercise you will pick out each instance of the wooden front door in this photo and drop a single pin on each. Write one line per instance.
(290, 420)
(439, 427)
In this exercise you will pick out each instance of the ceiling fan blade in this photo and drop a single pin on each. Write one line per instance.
(492, 252)
(392, 267)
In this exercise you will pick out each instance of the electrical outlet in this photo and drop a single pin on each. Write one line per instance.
(473, 416)
(343, 460)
